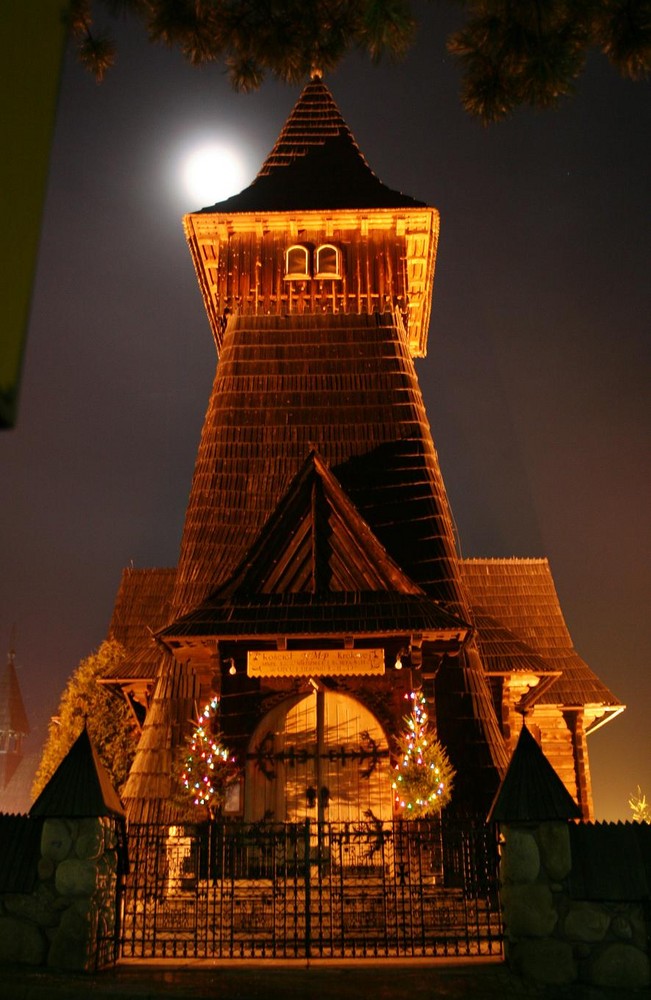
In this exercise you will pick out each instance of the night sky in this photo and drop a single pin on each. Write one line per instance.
(536, 380)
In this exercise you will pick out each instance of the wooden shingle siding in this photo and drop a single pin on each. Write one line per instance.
(254, 442)
(142, 606)
(142, 603)
(520, 593)
(150, 789)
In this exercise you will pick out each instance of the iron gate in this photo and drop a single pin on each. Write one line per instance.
(331, 890)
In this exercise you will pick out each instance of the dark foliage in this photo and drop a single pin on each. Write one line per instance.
(511, 52)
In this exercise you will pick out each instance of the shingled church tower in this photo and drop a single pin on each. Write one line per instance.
(14, 727)
(318, 581)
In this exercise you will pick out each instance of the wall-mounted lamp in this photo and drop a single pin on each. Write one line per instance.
(232, 670)
(398, 663)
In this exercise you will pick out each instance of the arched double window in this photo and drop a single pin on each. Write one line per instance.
(302, 262)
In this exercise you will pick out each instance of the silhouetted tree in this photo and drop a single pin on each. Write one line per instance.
(511, 52)
(111, 725)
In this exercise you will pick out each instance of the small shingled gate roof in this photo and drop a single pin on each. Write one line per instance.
(531, 790)
(19, 852)
(79, 787)
(334, 613)
(315, 164)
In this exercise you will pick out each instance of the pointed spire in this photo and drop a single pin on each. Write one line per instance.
(314, 120)
(314, 164)
(13, 717)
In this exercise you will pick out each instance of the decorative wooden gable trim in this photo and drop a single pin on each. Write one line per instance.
(317, 568)
(317, 541)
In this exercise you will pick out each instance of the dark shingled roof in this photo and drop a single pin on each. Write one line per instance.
(520, 594)
(334, 613)
(531, 790)
(148, 793)
(142, 605)
(502, 652)
(80, 786)
(315, 164)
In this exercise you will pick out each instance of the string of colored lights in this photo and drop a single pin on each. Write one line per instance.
(208, 766)
(424, 775)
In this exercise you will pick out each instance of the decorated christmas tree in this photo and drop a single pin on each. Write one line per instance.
(423, 773)
(208, 768)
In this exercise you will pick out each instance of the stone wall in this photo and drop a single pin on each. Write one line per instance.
(68, 921)
(554, 938)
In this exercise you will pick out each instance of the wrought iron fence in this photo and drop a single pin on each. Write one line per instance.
(224, 889)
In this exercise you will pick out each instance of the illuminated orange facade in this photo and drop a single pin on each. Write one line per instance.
(318, 581)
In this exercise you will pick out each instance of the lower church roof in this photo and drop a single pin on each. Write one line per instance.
(516, 612)
(521, 595)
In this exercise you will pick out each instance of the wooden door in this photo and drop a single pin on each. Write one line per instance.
(322, 756)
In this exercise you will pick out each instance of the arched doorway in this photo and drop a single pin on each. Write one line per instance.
(320, 755)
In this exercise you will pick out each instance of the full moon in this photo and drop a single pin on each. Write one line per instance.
(213, 172)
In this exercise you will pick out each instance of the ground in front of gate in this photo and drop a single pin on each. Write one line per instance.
(418, 979)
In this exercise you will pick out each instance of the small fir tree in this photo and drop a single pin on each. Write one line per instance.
(640, 808)
(423, 774)
(208, 768)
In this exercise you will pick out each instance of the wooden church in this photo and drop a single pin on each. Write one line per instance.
(318, 582)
